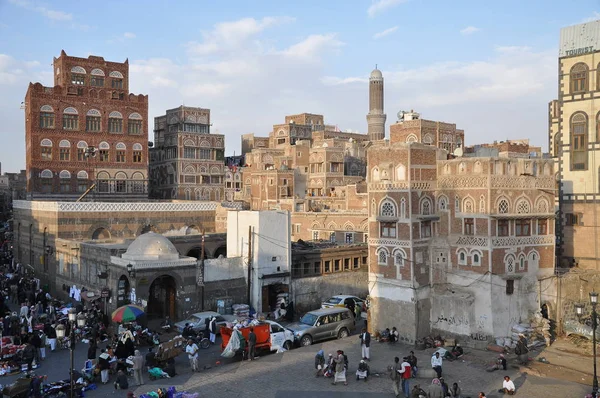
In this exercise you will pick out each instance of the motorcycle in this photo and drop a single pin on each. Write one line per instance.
(197, 337)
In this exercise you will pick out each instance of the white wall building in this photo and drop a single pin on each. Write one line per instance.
(270, 233)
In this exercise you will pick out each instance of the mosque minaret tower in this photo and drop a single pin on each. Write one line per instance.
(376, 117)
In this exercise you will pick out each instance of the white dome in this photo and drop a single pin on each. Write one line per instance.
(151, 246)
(376, 74)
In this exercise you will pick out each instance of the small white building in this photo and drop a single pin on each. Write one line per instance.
(270, 235)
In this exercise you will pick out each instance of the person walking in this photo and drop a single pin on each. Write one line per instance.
(340, 369)
(212, 327)
(104, 365)
(251, 344)
(405, 374)
(436, 364)
(522, 350)
(51, 333)
(435, 389)
(319, 362)
(412, 359)
(365, 343)
(138, 365)
(395, 376)
(192, 351)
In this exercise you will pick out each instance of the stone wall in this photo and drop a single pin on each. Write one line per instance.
(309, 292)
(232, 291)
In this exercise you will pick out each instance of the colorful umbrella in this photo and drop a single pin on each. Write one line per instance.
(127, 313)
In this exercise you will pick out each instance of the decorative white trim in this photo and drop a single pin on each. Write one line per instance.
(46, 142)
(78, 69)
(82, 175)
(137, 147)
(70, 111)
(104, 145)
(96, 207)
(65, 174)
(115, 74)
(512, 241)
(93, 112)
(64, 144)
(97, 72)
(116, 115)
(46, 108)
(135, 116)
(465, 240)
(120, 146)
(389, 242)
(82, 144)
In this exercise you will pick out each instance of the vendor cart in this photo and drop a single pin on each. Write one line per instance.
(169, 350)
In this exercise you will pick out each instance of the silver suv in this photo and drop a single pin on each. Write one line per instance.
(323, 324)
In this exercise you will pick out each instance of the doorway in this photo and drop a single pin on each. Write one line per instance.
(162, 298)
(123, 291)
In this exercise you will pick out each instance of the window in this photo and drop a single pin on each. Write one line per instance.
(104, 155)
(46, 153)
(557, 141)
(92, 123)
(502, 227)
(387, 230)
(425, 229)
(327, 265)
(77, 79)
(116, 83)
(97, 81)
(355, 263)
(382, 257)
(476, 258)
(521, 263)
(46, 120)
(399, 258)
(468, 205)
(425, 207)
(542, 227)
(332, 237)
(349, 237)
(443, 203)
(47, 184)
(462, 258)
(120, 156)
(388, 209)
(572, 218)
(205, 154)
(346, 264)
(115, 125)
(469, 225)
(579, 142)
(189, 152)
(503, 206)
(510, 286)
(522, 227)
(82, 186)
(315, 235)
(456, 204)
(65, 153)
(523, 207)
(579, 78)
(65, 186)
(70, 122)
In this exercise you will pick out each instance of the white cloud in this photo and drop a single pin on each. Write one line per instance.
(378, 6)
(384, 33)
(595, 16)
(54, 15)
(314, 46)
(228, 36)
(469, 30)
(129, 35)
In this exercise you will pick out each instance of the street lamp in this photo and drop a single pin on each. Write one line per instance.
(594, 301)
(131, 270)
(72, 320)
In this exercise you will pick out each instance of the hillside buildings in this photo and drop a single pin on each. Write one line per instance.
(87, 129)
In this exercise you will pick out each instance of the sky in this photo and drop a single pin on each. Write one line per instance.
(489, 67)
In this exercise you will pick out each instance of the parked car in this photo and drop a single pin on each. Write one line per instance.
(323, 324)
(340, 301)
(198, 321)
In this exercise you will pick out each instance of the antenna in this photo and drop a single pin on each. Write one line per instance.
(375, 66)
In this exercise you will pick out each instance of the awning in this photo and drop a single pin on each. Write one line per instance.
(90, 296)
(431, 217)
(272, 276)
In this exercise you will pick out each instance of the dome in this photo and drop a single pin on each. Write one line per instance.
(151, 246)
(376, 74)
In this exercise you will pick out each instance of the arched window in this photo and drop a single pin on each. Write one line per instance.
(46, 142)
(46, 117)
(403, 208)
(477, 168)
(121, 146)
(64, 150)
(115, 74)
(475, 257)
(482, 204)
(382, 256)
(579, 78)
(503, 206)
(78, 69)
(137, 147)
(97, 72)
(375, 174)
(82, 175)
(443, 203)
(425, 206)
(97, 79)
(93, 120)
(64, 144)
(104, 145)
(533, 260)
(579, 128)
(523, 206)
(521, 262)
(121, 182)
(462, 168)
(399, 257)
(411, 138)
(64, 174)
(401, 172)
(115, 122)
(70, 119)
(387, 208)
(46, 174)
(468, 205)
(457, 204)
(82, 144)
(541, 206)
(462, 257)
(509, 263)
(134, 123)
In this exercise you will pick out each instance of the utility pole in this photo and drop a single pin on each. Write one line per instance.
(249, 262)
(202, 270)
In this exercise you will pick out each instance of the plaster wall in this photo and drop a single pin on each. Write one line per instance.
(224, 269)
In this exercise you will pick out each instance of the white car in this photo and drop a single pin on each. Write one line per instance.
(340, 300)
(198, 321)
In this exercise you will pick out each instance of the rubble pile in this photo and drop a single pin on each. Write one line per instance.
(536, 332)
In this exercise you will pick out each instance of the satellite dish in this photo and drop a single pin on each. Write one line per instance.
(458, 152)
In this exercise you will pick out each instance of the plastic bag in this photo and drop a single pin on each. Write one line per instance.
(171, 392)
(232, 346)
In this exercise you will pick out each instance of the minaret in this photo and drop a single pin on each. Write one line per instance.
(376, 117)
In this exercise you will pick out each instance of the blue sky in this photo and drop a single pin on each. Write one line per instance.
(489, 67)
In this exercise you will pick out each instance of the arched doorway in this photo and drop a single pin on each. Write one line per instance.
(221, 251)
(100, 234)
(196, 252)
(162, 298)
(123, 291)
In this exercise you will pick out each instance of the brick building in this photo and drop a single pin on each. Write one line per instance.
(574, 134)
(456, 245)
(187, 161)
(411, 128)
(88, 111)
